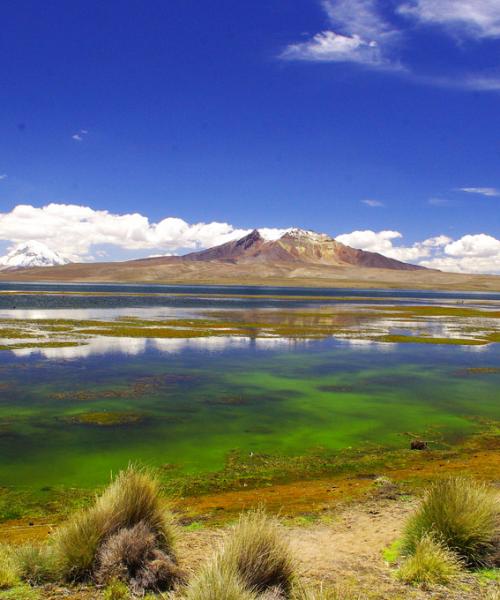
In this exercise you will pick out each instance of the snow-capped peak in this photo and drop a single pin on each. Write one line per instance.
(271, 235)
(296, 232)
(31, 254)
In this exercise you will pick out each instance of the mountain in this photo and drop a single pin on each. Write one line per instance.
(297, 257)
(31, 254)
(296, 246)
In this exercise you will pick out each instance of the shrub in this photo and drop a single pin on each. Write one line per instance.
(116, 590)
(132, 555)
(257, 552)
(218, 580)
(431, 563)
(460, 513)
(35, 564)
(8, 573)
(132, 497)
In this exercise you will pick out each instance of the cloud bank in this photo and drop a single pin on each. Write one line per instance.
(73, 230)
(79, 232)
(472, 253)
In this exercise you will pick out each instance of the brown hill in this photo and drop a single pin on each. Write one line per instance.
(295, 247)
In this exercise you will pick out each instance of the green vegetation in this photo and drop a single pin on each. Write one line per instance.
(430, 563)
(461, 514)
(21, 592)
(116, 590)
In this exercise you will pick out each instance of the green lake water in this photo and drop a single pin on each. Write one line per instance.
(188, 403)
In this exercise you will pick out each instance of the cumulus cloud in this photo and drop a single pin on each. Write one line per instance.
(483, 191)
(477, 18)
(478, 253)
(73, 230)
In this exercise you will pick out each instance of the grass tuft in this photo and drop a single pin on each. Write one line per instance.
(132, 497)
(462, 514)
(8, 572)
(430, 564)
(35, 564)
(218, 580)
(258, 553)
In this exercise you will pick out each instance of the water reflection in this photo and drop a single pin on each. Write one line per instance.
(135, 346)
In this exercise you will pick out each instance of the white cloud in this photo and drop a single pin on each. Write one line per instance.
(372, 32)
(436, 242)
(478, 253)
(73, 230)
(484, 191)
(434, 201)
(477, 18)
(359, 34)
(479, 245)
(79, 135)
(3, 176)
(333, 47)
(373, 203)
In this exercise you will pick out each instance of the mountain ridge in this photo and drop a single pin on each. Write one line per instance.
(296, 246)
(296, 258)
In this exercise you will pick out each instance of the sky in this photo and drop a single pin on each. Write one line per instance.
(134, 128)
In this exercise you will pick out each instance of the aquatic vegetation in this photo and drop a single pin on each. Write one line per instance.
(381, 323)
(430, 563)
(131, 498)
(461, 514)
(104, 419)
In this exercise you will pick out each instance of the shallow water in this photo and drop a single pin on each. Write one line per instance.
(186, 403)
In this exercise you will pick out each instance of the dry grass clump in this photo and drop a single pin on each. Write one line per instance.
(430, 564)
(254, 562)
(133, 497)
(132, 555)
(35, 564)
(462, 514)
(258, 553)
(8, 572)
(218, 580)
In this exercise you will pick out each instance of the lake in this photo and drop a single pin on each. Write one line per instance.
(275, 371)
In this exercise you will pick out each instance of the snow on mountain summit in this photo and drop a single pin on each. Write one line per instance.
(271, 235)
(31, 254)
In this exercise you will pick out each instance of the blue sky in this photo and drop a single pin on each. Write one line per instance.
(338, 116)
